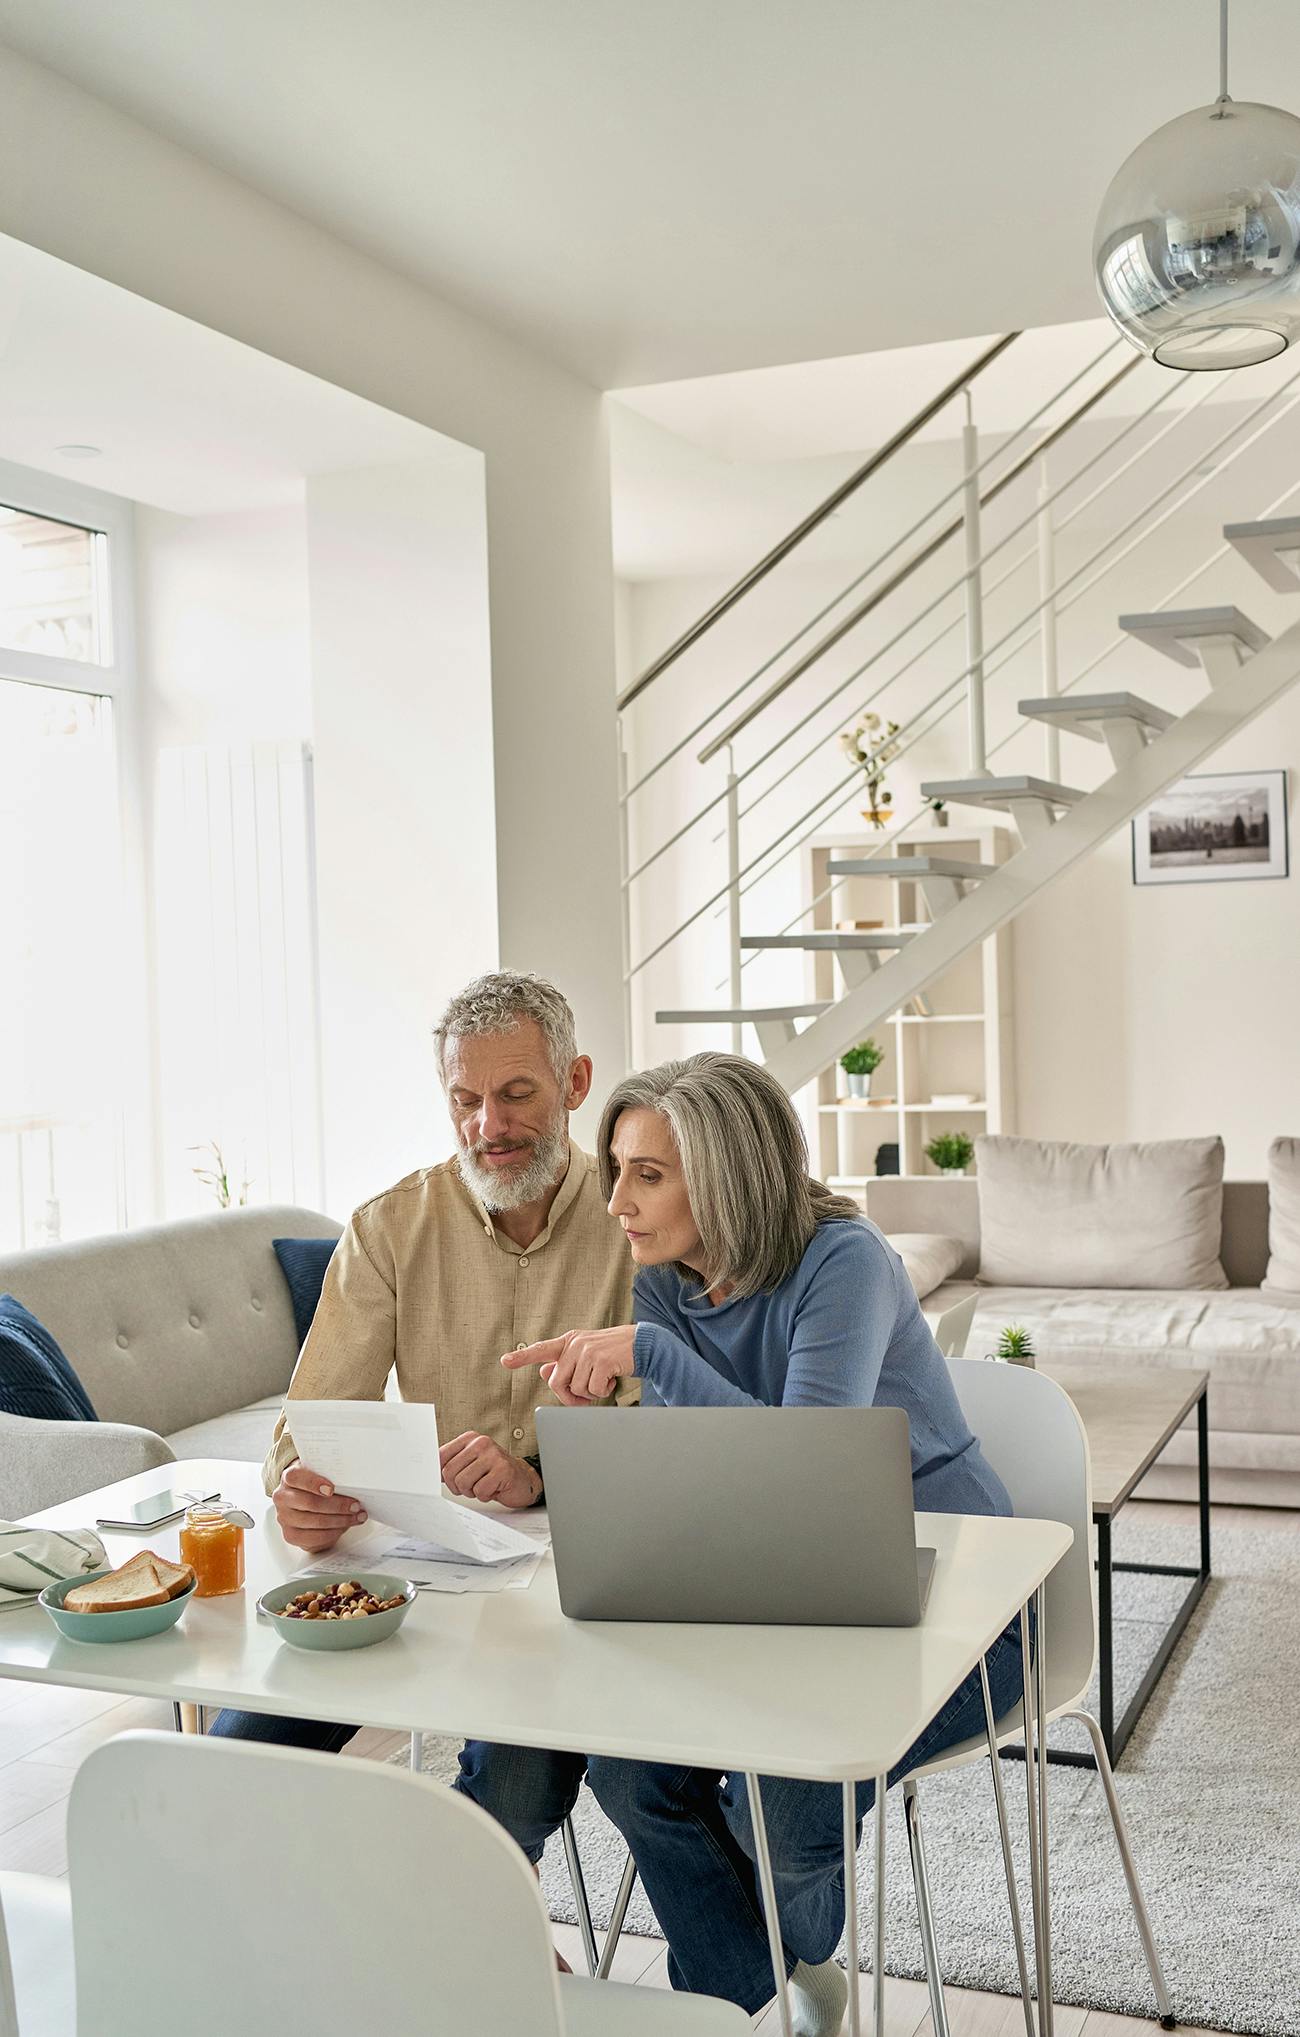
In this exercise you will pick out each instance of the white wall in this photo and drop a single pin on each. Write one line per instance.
(404, 798)
(95, 188)
(221, 604)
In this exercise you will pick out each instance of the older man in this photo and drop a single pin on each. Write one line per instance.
(506, 1244)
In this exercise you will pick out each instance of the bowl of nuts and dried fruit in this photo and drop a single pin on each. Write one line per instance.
(332, 1611)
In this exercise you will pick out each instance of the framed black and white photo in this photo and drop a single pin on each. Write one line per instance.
(1220, 826)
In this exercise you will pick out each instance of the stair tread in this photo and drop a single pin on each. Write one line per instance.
(908, 866)
(736, 1015)
(1270, 545)
(994, 791)
(1096, 707)
(887, 937)
(1170, 630)
(1265, 527)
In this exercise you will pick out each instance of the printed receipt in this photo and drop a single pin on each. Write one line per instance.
(385, 1453)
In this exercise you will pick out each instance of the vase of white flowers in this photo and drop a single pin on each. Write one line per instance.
(871, 746)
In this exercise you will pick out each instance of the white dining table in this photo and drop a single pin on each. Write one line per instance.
(823, 1704)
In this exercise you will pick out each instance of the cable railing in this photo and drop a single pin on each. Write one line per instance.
(1116, 643)
(1056, 595)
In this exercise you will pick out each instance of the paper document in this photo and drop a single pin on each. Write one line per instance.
(377, 1547)
(385, 1453)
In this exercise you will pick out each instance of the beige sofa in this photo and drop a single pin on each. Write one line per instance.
(1248, 1341)
(182, 1335)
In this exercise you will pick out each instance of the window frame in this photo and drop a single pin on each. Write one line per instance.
(50, 495)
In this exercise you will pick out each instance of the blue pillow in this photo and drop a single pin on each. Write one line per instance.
(35, 1377)
(303, 1262)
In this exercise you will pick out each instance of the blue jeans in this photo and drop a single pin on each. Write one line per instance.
(528, 1790)
(692, 1838)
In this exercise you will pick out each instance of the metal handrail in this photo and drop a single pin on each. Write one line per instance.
(726, 602)
(906, 570)
(747, 869)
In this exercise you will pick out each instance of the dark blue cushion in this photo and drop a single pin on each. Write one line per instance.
(35, 1377)
(303, 1262)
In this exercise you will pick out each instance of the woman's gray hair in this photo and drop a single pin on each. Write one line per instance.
(745, 1163)
(503, 1000)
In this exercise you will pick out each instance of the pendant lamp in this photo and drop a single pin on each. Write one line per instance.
(1197, 247)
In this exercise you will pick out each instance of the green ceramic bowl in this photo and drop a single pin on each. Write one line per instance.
(330, 1634)
(134, 1625)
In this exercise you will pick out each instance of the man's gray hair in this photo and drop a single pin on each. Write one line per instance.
(745, 1164)
(499, 1002)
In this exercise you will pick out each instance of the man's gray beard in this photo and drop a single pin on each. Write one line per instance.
(498, 1193)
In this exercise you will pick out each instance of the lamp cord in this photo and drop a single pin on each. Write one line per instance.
(1223, 52)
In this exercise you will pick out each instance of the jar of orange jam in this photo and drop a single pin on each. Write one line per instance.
(212, 1543)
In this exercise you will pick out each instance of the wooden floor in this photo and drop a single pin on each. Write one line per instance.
(45, 1733)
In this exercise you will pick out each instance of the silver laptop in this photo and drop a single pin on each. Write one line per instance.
(797, 1517)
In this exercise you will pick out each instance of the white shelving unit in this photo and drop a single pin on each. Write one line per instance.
(961, 1044)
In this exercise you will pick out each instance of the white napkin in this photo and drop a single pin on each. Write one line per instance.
(31, 1558)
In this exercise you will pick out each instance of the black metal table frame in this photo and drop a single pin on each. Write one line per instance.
(1116, 1737)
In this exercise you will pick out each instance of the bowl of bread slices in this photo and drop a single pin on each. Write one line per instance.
(144, 1596)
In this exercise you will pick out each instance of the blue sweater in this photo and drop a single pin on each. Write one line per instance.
(845, 1330)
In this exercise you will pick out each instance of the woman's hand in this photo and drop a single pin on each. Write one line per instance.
(583, 1365)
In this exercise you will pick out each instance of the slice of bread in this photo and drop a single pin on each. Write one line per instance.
(146, 1580)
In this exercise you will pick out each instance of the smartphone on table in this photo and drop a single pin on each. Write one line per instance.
(159, 1510)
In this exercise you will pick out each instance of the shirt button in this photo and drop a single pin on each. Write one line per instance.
(122, 1340)
(523, 1261)
(518, 1435)
(521, 1347)
(194, 1320)
(256, 1301)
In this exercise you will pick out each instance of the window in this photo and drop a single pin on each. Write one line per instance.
(51, 576)
(71, 1013)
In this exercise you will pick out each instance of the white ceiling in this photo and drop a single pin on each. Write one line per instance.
(186, 419)
(652, 189)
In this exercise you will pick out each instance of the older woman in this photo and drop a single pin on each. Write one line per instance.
(758, 1287)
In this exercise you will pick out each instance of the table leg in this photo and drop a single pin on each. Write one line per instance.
(1203, 1475)
(850, 1796)
(878, 1936)
(1031, 1807)
(1046, 2007)
(1105, 1635)
(766, 1883)
(1008, 1863)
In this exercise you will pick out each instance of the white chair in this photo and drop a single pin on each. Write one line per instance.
(1030, 1433)
(218, 1884)
(36, 1989)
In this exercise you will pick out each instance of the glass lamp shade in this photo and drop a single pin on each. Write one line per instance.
(1197, 247)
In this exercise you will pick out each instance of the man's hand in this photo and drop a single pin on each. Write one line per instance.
(311, 1514)
(477, 1468)
(583, 1365)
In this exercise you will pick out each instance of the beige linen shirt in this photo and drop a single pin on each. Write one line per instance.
(423, 1280)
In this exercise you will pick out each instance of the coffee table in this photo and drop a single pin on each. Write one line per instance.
(1129, 1416)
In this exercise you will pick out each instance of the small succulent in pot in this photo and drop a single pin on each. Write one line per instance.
(1015, 1346)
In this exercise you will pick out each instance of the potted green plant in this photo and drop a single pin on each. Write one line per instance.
(950, 1152)
(860, 1064)
(938, 812)
(1015, 1347)
(870, 744)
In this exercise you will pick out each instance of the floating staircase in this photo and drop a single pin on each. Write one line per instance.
(1058, 826)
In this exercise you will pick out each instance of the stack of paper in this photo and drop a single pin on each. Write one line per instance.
(385, 1453)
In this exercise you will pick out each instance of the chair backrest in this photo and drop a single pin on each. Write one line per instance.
(1030, 1432)
(953, 1327)
(222, 1885)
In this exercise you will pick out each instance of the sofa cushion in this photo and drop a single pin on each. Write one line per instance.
(1248, 1342)
(929, 1258)
(1284, 1216)
(1054, 1214)
(35, 1378)
(303, 1262)
(244, 1434)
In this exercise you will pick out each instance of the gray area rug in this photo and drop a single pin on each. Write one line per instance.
(1210, 1785)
